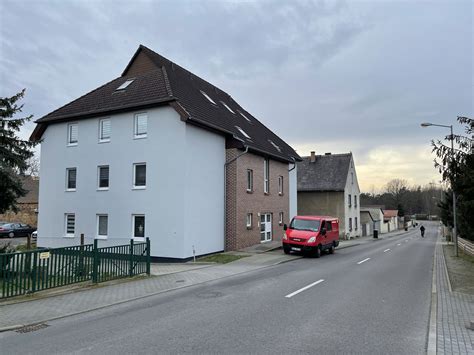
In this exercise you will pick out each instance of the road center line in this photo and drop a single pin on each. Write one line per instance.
(304, 288)
(386, 250)
(363, 261)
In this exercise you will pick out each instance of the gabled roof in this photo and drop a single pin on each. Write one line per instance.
(390, 213)
(160, 81)
(327, 173)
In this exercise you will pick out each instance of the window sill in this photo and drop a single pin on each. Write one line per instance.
(70, 190)
(104, 141)
(103, 189)
(139, 188)
(250, 191)
(140, 137)
(101, 237)
(72, 144)
(249, 227)
(139, 239)
(69, 236)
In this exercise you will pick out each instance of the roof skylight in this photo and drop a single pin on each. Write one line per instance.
(227, 107)
(274, 145)
(243, 132)
(125, 84)
(208, 97)
(248, 119)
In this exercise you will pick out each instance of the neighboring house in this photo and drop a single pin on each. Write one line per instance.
(391, 220)
(27, 205)
(161, 153)
(367, 222)
(327, 185)
(377, 217)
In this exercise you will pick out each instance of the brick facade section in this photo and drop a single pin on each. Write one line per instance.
(141, 64)
(239, 202)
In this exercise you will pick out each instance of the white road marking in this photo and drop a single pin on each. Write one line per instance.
(406, 240)
(398, 244)
(363, 261)
(386, 250)
(304, 288)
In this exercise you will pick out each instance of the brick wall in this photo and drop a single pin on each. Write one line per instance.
(240, 202)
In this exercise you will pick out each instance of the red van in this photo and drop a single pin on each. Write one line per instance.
(311, 235)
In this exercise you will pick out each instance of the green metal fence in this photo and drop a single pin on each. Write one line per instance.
(31, 271)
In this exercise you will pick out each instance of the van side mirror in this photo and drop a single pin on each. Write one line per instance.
(323, 231)
(285, 227)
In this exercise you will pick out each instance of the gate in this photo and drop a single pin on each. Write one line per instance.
(30, 271)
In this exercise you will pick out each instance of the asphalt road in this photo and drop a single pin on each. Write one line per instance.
(12, 241)
(372, 298)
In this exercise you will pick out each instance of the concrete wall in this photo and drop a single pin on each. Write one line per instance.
(324, 203)
(183, 200)
(352, 211)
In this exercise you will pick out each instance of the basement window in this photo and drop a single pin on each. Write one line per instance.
(208, 97)
(243, 132)
(125, 84)
(227, 107)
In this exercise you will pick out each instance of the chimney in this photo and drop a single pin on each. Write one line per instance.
(313, 157)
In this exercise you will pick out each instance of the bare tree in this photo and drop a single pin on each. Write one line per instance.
(397, 189)
(33, 166)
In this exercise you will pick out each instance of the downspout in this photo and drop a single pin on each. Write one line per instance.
(225, 189)
(294, 164)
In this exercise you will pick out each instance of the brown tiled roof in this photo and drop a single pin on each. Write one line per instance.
(390, 213)
(171, 84)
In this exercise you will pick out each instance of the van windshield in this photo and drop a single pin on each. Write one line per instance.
(305, 225)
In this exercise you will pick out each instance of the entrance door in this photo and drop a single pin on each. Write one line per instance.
(265, 227)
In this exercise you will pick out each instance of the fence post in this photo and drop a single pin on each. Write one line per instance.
(95, 262)
(148, 256)
(33, 272)
(81, 257)
(130, 259)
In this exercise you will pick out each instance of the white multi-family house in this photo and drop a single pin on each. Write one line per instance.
(161, 153)
(328, 186)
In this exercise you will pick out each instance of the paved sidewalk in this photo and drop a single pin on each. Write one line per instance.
(454, 310)
(165, 277)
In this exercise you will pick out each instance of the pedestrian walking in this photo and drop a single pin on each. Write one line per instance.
(422, 229)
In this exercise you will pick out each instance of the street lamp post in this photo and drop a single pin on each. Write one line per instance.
(455, 236)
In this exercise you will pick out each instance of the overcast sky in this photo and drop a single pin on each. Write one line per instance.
(329, 76)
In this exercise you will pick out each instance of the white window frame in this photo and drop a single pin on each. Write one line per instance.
(266, 177)
(280, 221)
(69, 143)
(280, 185)
(249, 180)
(249, 220)
(66, 234)
(98, 178)
(135, 126)
(140, 187)
(138, 239)
(101, 236)
(67, 179)
(125, 84)
(101, 125)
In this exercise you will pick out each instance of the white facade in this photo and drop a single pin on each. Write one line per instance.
(183, 202)
(352, 205)
(293, 187)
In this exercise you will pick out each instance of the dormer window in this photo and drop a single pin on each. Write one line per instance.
(208, 97)
(125, 84)
(274, 145)
(227, 107)
(243, 132)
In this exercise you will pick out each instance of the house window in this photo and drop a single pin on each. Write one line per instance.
(355, 223)
(70, 224)
(352, 177)
(227, 107)
(208, 98)
(139, 176)
(249, 180)
(280, 185)
(102, 225)
(349, 200)
(266, 174)
(103, 177)
(138, 226)
(140, 125)
(280, 221)
(71, 175)
(72, 134)
(350, 224)
(249, 220)
(104, 130)
(355, 201)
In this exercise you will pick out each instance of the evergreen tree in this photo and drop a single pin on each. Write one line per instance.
(14, 152)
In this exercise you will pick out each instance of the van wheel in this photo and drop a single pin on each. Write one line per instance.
(317, 252)
(286, 250)
(331, 249)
